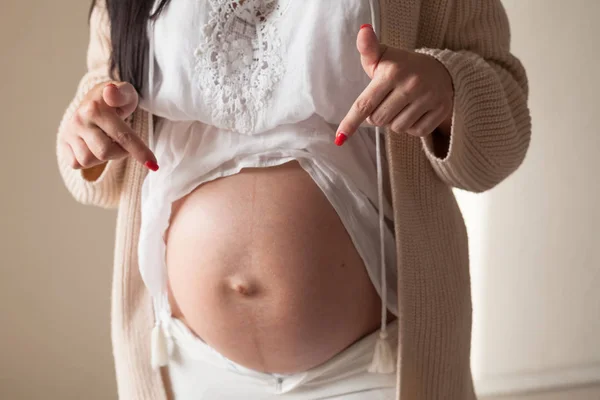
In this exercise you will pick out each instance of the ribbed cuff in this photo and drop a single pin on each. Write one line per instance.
(466, 165)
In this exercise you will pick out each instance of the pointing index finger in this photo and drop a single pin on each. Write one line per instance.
(121, 133)
(362, 108)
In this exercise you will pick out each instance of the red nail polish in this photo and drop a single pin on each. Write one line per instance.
(341, 138)
(367, 26)
(151, 165)
(112, 85)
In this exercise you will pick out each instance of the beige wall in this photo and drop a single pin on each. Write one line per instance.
(56, 256)
(536, 238)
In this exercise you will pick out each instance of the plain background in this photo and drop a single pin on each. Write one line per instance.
(536, 259)
(55, 270)
(535, 240)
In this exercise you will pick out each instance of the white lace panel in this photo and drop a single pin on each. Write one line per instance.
(239, 62)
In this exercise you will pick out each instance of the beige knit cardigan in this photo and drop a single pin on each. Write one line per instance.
(489, 138)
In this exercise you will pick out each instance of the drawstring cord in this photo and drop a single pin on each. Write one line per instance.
(150, 81)
(158, 347)
(383, 358)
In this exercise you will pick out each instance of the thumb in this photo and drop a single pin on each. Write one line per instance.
(369, 48)
(122, 96)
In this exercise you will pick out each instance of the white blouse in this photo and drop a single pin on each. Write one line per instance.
(258, 83)
(251, 65)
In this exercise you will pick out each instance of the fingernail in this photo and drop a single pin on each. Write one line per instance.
(341, 138)
(367, 26)
(151, 165)
(112, 85)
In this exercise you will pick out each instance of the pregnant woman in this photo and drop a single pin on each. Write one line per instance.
(283, 172)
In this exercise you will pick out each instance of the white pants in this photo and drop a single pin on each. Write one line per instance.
(198, 372)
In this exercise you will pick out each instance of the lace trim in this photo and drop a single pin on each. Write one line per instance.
(239, 63)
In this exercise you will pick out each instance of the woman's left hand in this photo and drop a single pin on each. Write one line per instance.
(409, 92)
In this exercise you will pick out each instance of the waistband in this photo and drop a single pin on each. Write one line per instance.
(344, 373)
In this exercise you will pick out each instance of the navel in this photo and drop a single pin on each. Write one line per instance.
(243, 287)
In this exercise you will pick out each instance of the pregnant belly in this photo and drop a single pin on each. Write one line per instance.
(262, 269)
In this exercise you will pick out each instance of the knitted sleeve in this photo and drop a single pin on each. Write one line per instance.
(100, 186)
(491, 124)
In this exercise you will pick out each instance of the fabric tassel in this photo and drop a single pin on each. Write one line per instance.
(160, 353)
(383, 359)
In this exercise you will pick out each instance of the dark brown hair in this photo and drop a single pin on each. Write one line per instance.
(128, 30)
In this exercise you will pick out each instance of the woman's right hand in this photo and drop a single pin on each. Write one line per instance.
(97, 133)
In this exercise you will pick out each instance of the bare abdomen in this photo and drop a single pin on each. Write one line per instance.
(262, 269)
